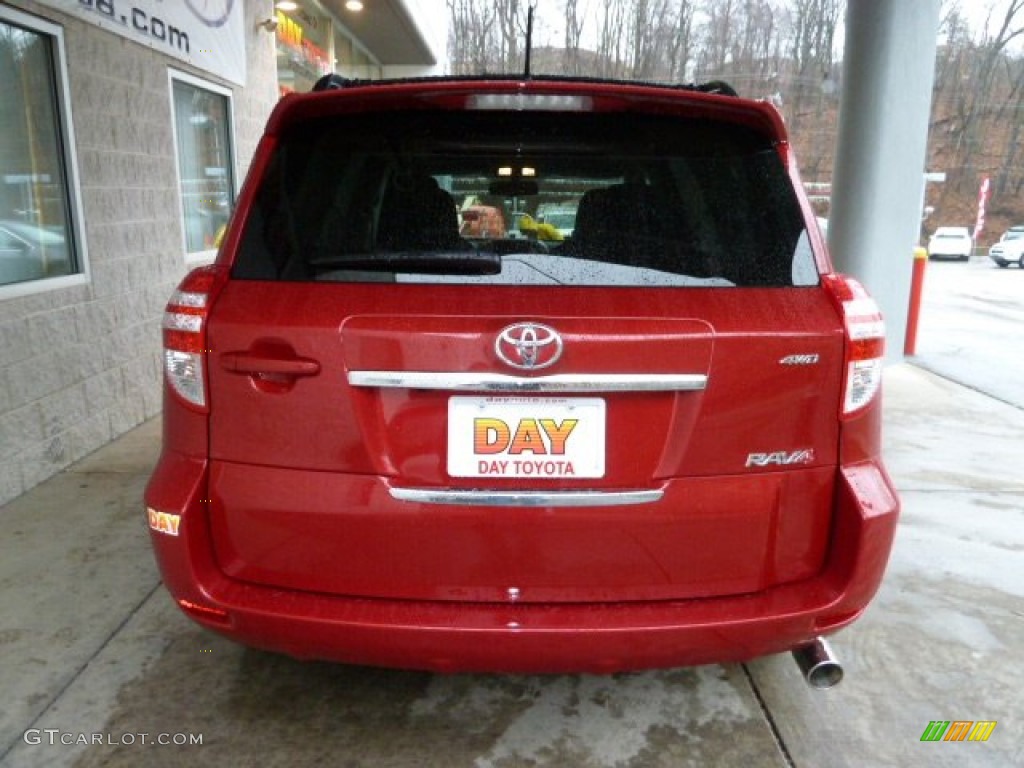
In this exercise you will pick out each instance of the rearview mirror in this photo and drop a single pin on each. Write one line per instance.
(513, 188)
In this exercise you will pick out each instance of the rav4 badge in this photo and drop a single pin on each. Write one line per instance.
(799, 360)
(780, 458)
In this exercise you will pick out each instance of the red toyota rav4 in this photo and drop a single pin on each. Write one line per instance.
(655, 443)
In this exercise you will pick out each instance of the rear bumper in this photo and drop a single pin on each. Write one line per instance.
(493, 637)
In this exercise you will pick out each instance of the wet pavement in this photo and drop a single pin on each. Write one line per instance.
(92, 648)
(972, 326)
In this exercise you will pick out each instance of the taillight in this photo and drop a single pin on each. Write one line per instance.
(185, 345)
(865, 342)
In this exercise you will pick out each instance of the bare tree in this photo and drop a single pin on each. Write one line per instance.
(718, 31)
(470, 47)
(975, 100)
(681, 43)
(955, 36)
(651, 44)
(785, 50)
(486, 36)
(756, 44)
(611, 36)
(814, 32)
(573, 32)
(511, 22)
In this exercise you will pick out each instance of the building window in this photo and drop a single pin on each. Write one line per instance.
(206, 168)
(40, 239)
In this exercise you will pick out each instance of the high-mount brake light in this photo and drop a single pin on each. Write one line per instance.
(552, 102)
(865, 342)
(184, 332)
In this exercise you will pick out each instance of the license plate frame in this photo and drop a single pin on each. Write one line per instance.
(526, 438)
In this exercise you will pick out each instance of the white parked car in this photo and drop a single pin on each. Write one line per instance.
(951, 243)
(1009, 249)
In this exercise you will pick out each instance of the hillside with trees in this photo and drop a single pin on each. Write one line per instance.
(787, 51)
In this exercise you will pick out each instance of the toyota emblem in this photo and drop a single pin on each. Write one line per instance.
(529, 346)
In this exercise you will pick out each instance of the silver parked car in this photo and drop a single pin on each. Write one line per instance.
(1010, 248)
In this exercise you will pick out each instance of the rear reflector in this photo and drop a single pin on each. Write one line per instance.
(865, 341)
(203, 611)
(551, 102)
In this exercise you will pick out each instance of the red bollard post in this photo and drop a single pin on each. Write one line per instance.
(916, 289)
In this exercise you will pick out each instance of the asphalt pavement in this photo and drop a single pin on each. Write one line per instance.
(972, 326)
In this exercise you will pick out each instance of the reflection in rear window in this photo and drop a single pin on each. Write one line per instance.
(525, 199)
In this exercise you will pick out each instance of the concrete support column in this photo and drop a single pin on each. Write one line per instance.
(877, 182)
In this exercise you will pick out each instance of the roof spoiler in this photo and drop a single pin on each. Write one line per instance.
(334, 81)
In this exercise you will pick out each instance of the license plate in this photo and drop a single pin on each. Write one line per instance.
(538, 438)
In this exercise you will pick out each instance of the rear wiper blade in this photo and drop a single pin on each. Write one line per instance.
(415, 262)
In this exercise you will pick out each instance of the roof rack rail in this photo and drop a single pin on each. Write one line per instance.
(720, 87)
(330, 82)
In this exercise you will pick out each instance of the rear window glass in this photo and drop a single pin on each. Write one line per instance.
(526, 199)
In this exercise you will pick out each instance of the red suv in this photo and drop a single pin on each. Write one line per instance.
(655, 443)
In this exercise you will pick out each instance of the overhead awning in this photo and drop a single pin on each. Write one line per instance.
(389, 29)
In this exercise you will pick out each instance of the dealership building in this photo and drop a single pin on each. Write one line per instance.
(126, 128)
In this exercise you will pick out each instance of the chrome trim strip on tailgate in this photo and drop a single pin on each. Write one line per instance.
(498, 382)
(525, 498)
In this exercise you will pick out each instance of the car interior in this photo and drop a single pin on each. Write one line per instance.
(653, 204)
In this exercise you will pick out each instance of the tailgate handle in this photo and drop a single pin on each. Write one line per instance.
(250, 364)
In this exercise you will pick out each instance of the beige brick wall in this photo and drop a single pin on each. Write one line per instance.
(81, 365)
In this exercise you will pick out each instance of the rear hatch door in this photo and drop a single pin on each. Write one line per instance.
(416, 482)
(646, 410)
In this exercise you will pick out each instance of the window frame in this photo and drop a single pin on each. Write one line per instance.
(206, 256)
(69, 156)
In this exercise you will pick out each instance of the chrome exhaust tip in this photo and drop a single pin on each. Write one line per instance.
(818, 664)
